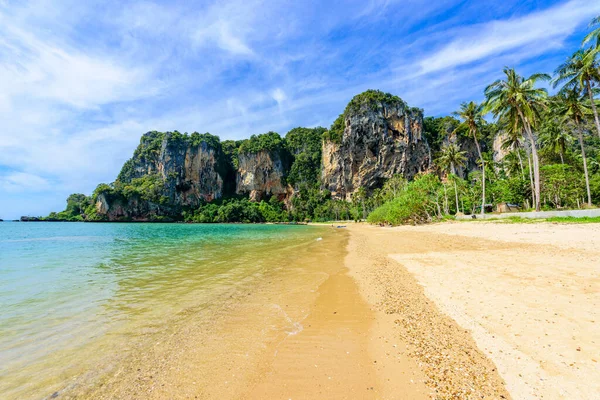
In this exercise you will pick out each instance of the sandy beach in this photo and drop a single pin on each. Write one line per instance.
(489, 310)
(446, 311)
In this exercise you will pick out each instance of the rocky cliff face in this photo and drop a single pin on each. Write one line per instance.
(499, 151)
(185, 171)
(379, 136)
(191, 168)
(260, 174)
(133, 208)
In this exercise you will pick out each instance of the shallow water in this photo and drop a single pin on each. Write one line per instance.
(113, 310)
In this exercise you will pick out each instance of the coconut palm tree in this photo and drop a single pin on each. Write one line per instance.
(572, 107)
(449, 159)
(519, 96)
(581, 70)
(511, 127)
(471, 115)
(594, 36)
(554, 138)
(512, 161)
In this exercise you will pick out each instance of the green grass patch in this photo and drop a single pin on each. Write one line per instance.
(520, 220)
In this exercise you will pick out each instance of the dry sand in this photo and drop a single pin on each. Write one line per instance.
(527, 295)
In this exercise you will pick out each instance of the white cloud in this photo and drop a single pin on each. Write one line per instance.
(34, 67)
(22, 181)
(279, 95)
(493, 38)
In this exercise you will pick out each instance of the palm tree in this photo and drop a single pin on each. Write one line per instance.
(581, 70)
(572, 108)
(518, 96)
(512, 163)
(512, 128)
(471, 115)
(450, 158)
(593, 36)
(554, 138)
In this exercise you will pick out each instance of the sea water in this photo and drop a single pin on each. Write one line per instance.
(85, 307)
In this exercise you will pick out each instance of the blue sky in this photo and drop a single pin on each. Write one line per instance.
(80, 81)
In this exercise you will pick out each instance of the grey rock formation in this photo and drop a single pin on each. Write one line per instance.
(380, 139)
(260, 174)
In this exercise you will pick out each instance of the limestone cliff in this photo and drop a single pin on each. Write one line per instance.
(499, 149)
(260, 174)
(190, 166)
(377, 137)
(174, 169)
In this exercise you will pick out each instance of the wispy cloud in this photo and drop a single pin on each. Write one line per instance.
(36, 68)
(474, 43)
(21, 181)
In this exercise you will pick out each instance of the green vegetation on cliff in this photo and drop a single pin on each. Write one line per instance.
(336, 132)
(373, 100)
(306, 146)
(270, 142)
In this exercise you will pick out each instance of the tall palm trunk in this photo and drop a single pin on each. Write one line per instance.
(531, 179)
(456, 195)
(453, 169)
(585, 170)
(483, 172)
(446, 205)
(591, 94)
(520, 162)
(536, 160)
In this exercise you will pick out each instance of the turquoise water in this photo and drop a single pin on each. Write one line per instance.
(64, 286)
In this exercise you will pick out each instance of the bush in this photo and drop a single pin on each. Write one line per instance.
(416, 203)
(270, 141)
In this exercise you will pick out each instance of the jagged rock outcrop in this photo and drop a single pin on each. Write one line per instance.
(176, 170)
(261, 174)
(378, 136)
(191, 167)
(171, 174)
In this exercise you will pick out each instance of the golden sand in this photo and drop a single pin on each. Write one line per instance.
(449, 311)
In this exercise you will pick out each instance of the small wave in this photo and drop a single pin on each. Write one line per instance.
(295, 328)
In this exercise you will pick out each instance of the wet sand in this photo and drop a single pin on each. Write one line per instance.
(342, 353)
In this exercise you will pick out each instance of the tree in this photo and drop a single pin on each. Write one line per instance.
(471, 115)
(571, 107)
(594, 36)
(581, 71)
(451, 157)
(554, 138)
(519, 96)
(513, 129)
(393, 186)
